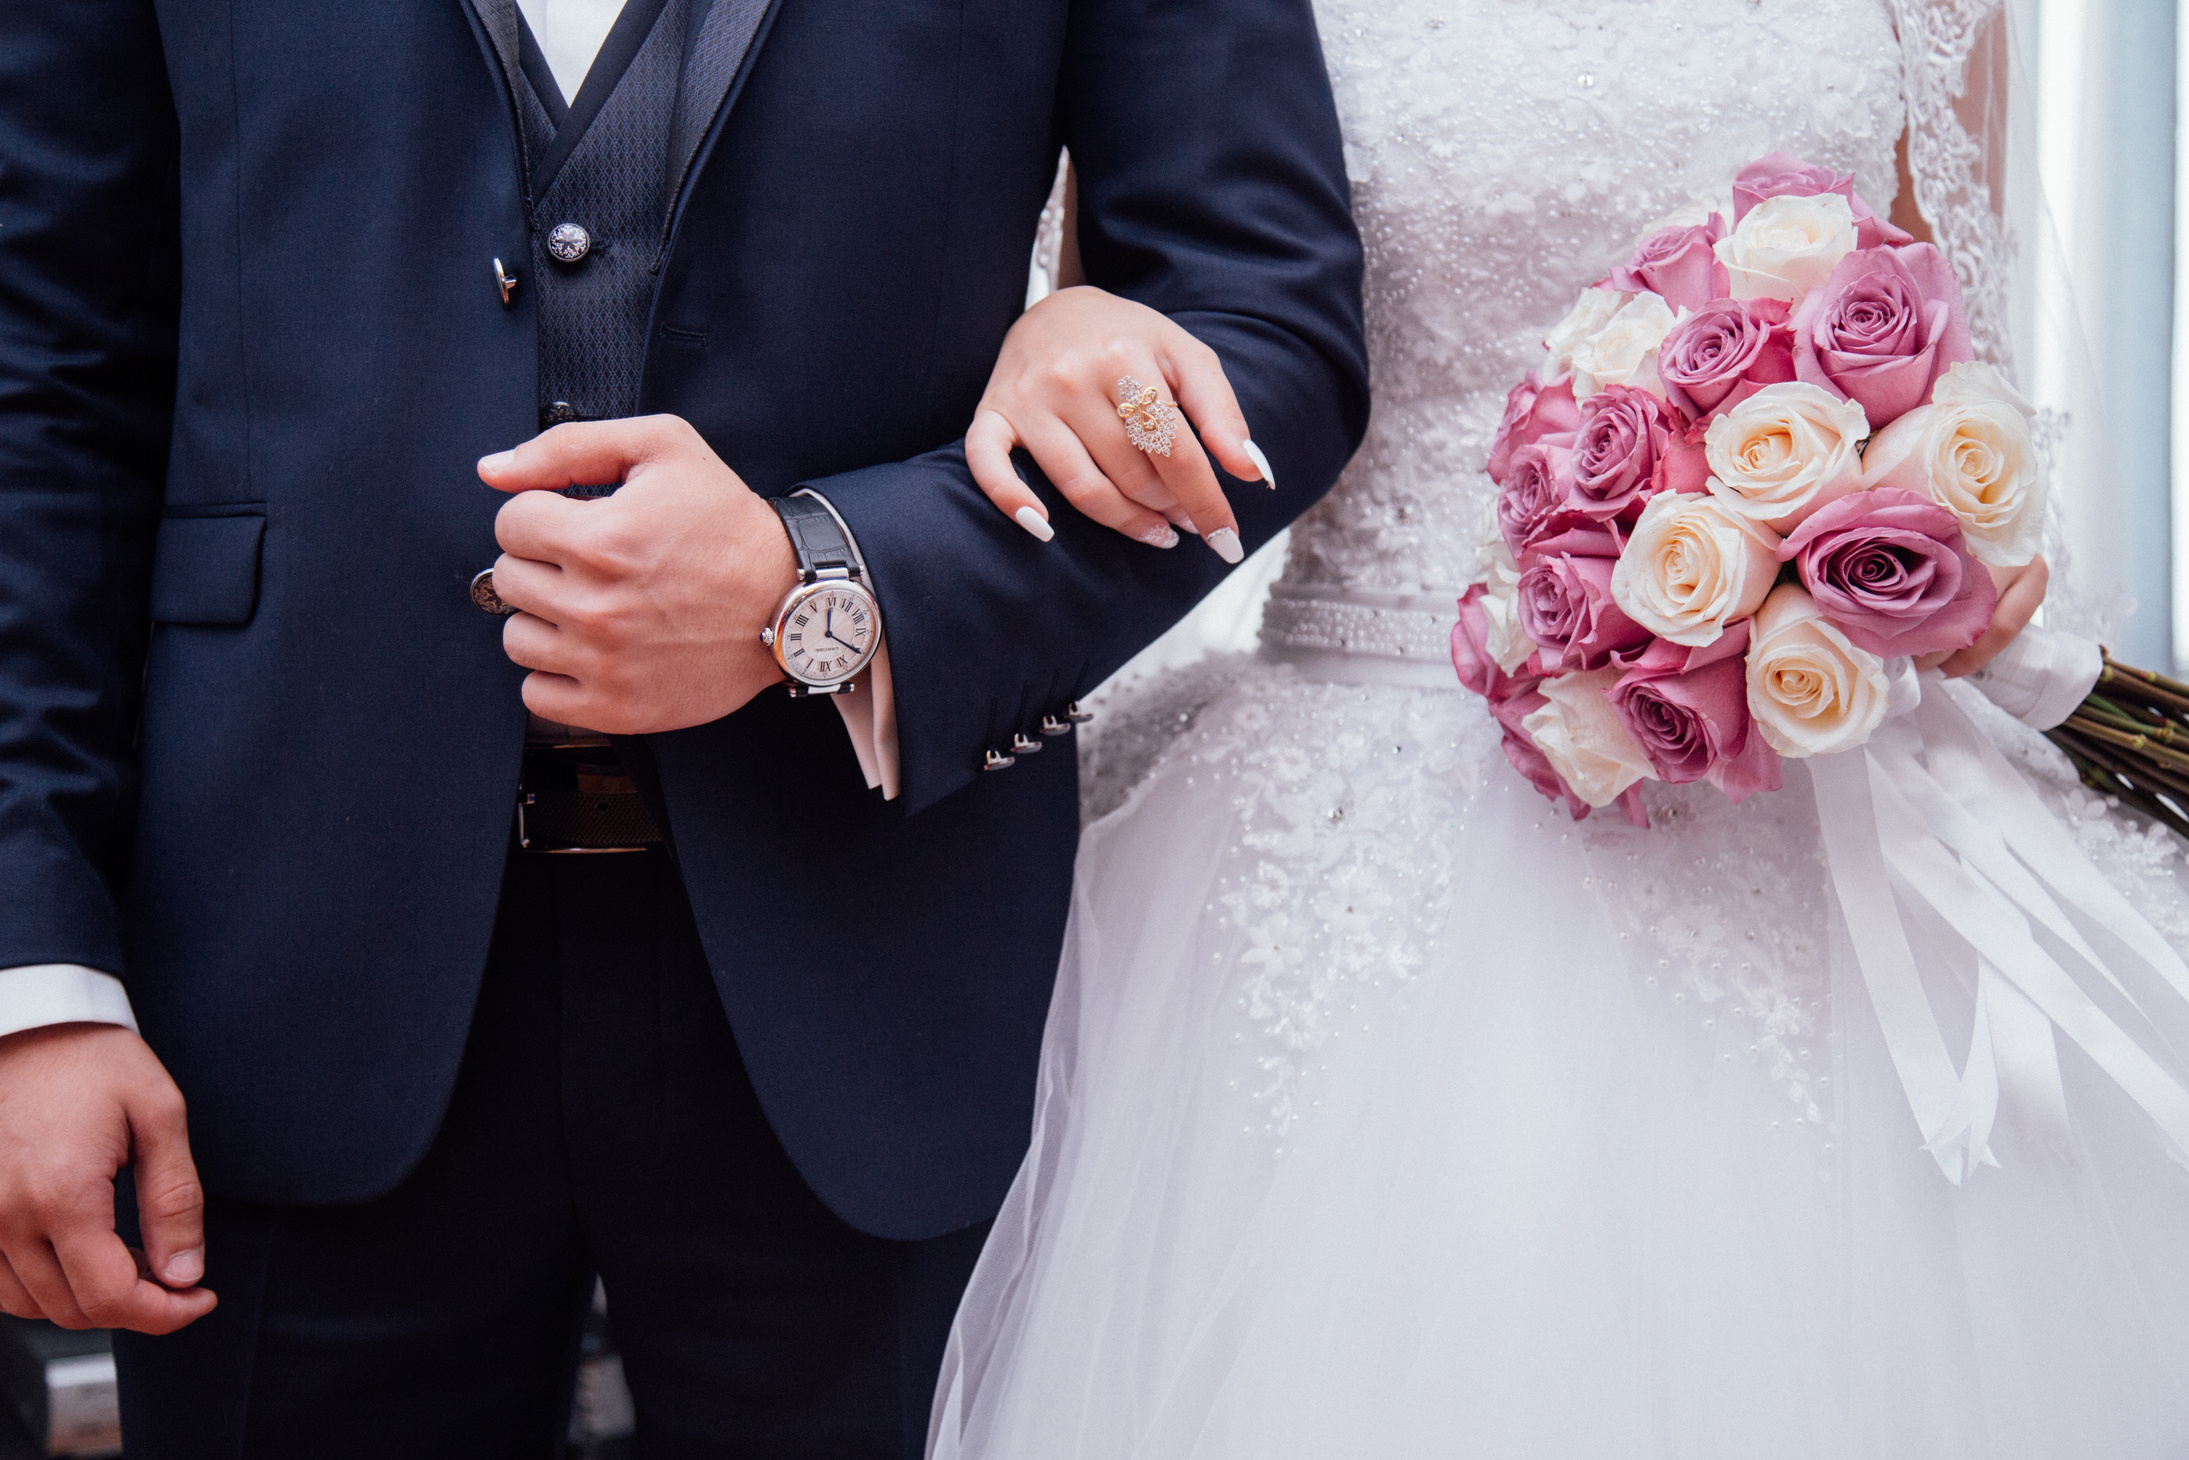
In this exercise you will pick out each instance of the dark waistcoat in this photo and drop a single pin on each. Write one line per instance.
(598, 203)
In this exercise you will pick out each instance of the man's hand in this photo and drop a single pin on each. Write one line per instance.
(641, 611)
(77, 1103)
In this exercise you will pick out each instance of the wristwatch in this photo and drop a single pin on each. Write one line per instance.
(829, 625)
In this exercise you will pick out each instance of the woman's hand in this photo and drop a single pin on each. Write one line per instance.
(2021, 593)
(1054, 392)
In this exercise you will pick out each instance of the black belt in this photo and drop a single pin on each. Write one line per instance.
(579, 798)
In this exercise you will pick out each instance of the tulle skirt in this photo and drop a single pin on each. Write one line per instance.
(1384, 1111)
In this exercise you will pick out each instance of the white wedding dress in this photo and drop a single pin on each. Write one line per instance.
(1387, 1112)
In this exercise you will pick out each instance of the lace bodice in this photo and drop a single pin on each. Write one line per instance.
(1503, 155)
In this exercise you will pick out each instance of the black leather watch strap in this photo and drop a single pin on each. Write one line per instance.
(817, 538)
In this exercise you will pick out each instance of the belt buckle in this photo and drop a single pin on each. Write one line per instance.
(577, 799)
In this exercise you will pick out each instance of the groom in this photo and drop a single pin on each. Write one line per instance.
(737, 1005)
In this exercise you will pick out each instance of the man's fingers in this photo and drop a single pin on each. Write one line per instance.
(988, 443)
(2022, 593)
(537, 525)
(170, 1202)
(532, 642)
(561, 669)
(108, 1293)
(559, 697)
(40, 1272)
(1058, 451)
(15, 1299)
(528, 585)
(587, 453)
(1206, 396)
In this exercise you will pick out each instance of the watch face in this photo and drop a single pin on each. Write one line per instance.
(828, 635)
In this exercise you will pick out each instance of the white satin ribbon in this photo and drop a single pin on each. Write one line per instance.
(1929, 815)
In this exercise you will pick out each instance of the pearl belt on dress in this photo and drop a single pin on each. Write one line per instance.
(1356, 636)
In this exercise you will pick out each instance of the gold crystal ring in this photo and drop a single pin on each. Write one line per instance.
(1150, 421)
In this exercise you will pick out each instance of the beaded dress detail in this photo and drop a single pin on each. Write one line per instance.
(1385, 1110)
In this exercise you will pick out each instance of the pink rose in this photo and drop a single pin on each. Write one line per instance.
(1688, 710)
(1532, 411)
(1567, 609)
(1882, 330)
(1889, 567)
(1472, 656)
(1628, 449)
(1574, 536)
(1678, 265)
(1782, 176)
(1536, 494)
(1724, 353)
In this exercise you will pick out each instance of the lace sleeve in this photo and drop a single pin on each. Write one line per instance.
(1954, 59)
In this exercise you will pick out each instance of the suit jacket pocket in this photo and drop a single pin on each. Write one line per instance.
(205, 564)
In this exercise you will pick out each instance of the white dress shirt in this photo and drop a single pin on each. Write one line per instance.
(570, 33)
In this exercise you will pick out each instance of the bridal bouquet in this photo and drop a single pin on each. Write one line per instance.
(1759, 472)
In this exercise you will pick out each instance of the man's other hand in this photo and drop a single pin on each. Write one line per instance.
(641, 611)
(77, 1103)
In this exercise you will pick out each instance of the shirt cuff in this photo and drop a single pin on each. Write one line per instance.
(39, 994)
(869, 709)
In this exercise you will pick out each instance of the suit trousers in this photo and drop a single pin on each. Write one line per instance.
(602, 1123)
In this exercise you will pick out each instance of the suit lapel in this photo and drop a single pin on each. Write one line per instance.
(498, 18)
(728, 36)
(496, 22)
(730, 33)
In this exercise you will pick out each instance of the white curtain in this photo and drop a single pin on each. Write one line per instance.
(2098, 336)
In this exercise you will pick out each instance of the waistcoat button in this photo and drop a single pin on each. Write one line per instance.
(568, 242)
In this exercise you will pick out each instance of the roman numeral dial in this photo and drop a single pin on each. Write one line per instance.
(829, 636)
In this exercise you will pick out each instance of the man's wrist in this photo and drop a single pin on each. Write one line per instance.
(828, 627)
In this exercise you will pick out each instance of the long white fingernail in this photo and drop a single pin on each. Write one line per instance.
(1261, 461)
(1226, 544)
(1162, 535)
(1034, 523)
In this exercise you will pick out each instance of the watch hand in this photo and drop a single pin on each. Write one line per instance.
(830, 634)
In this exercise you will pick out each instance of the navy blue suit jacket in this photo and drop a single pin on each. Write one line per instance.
(258, 750)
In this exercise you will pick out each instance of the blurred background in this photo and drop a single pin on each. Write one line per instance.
(2108, 240)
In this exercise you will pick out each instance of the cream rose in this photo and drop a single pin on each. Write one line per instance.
(1784, 452)
(1691, 567)
(1787, 246)
(1623, 350)
(1590, 313)
(1970, 451)
(1582, 737)
(1810, 690)
(1508, 644)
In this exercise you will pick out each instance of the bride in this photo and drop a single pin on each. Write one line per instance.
(1385, 1110)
